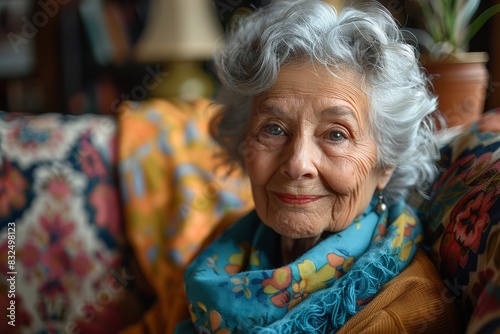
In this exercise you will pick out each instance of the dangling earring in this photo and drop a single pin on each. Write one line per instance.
(381, 206)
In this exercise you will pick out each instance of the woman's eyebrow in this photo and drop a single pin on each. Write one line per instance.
(351, 116)
(336, 111)
(268, 110)
(340, 111)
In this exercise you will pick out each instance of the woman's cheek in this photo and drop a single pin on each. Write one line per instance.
(260, 147)
(250, 151)
(362, 162)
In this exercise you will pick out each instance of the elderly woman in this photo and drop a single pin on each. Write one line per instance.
(329, 115)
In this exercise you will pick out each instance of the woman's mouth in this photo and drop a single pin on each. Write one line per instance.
(297, 199)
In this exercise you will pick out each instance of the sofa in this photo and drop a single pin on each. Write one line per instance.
(97, 211)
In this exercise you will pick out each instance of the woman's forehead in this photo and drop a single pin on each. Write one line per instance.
(317, 85)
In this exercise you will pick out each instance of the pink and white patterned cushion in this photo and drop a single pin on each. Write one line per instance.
(59, 203)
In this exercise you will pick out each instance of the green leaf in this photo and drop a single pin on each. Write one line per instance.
(481, 19)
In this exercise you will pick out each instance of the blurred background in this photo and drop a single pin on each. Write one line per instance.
(86, 56)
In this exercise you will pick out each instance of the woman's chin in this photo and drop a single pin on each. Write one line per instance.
(290, 233)
(295, 225)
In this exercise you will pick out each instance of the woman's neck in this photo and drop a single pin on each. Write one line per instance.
(291, 249)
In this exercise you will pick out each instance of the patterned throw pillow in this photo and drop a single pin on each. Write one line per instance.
(463, 230)
(59, 220)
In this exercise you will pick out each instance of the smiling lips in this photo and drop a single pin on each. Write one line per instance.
(297, 199)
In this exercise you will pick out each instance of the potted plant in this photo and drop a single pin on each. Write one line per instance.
(460, 78)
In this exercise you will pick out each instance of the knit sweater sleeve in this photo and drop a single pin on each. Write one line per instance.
(416, 301)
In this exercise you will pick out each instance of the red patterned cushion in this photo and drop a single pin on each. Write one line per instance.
(463, 226)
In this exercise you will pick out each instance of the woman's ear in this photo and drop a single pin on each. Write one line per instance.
(384, 178)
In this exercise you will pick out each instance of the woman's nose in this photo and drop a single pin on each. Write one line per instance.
(300, 157)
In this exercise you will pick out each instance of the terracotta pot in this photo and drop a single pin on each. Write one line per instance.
(461, 82)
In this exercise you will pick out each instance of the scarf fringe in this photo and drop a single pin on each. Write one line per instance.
(359, 284)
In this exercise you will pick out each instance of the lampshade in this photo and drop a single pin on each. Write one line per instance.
(179, 30)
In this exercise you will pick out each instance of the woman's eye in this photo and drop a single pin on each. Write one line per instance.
(274, 130)
(336, 136)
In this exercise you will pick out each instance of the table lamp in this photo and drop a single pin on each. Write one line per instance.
(182, 34)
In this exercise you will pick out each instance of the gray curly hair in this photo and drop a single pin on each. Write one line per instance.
(364, 38)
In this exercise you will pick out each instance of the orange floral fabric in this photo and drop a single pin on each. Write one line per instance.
(174, 197)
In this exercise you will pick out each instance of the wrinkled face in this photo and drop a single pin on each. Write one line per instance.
(309, 153)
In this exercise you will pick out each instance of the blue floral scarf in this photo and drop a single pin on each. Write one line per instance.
(234, 286)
